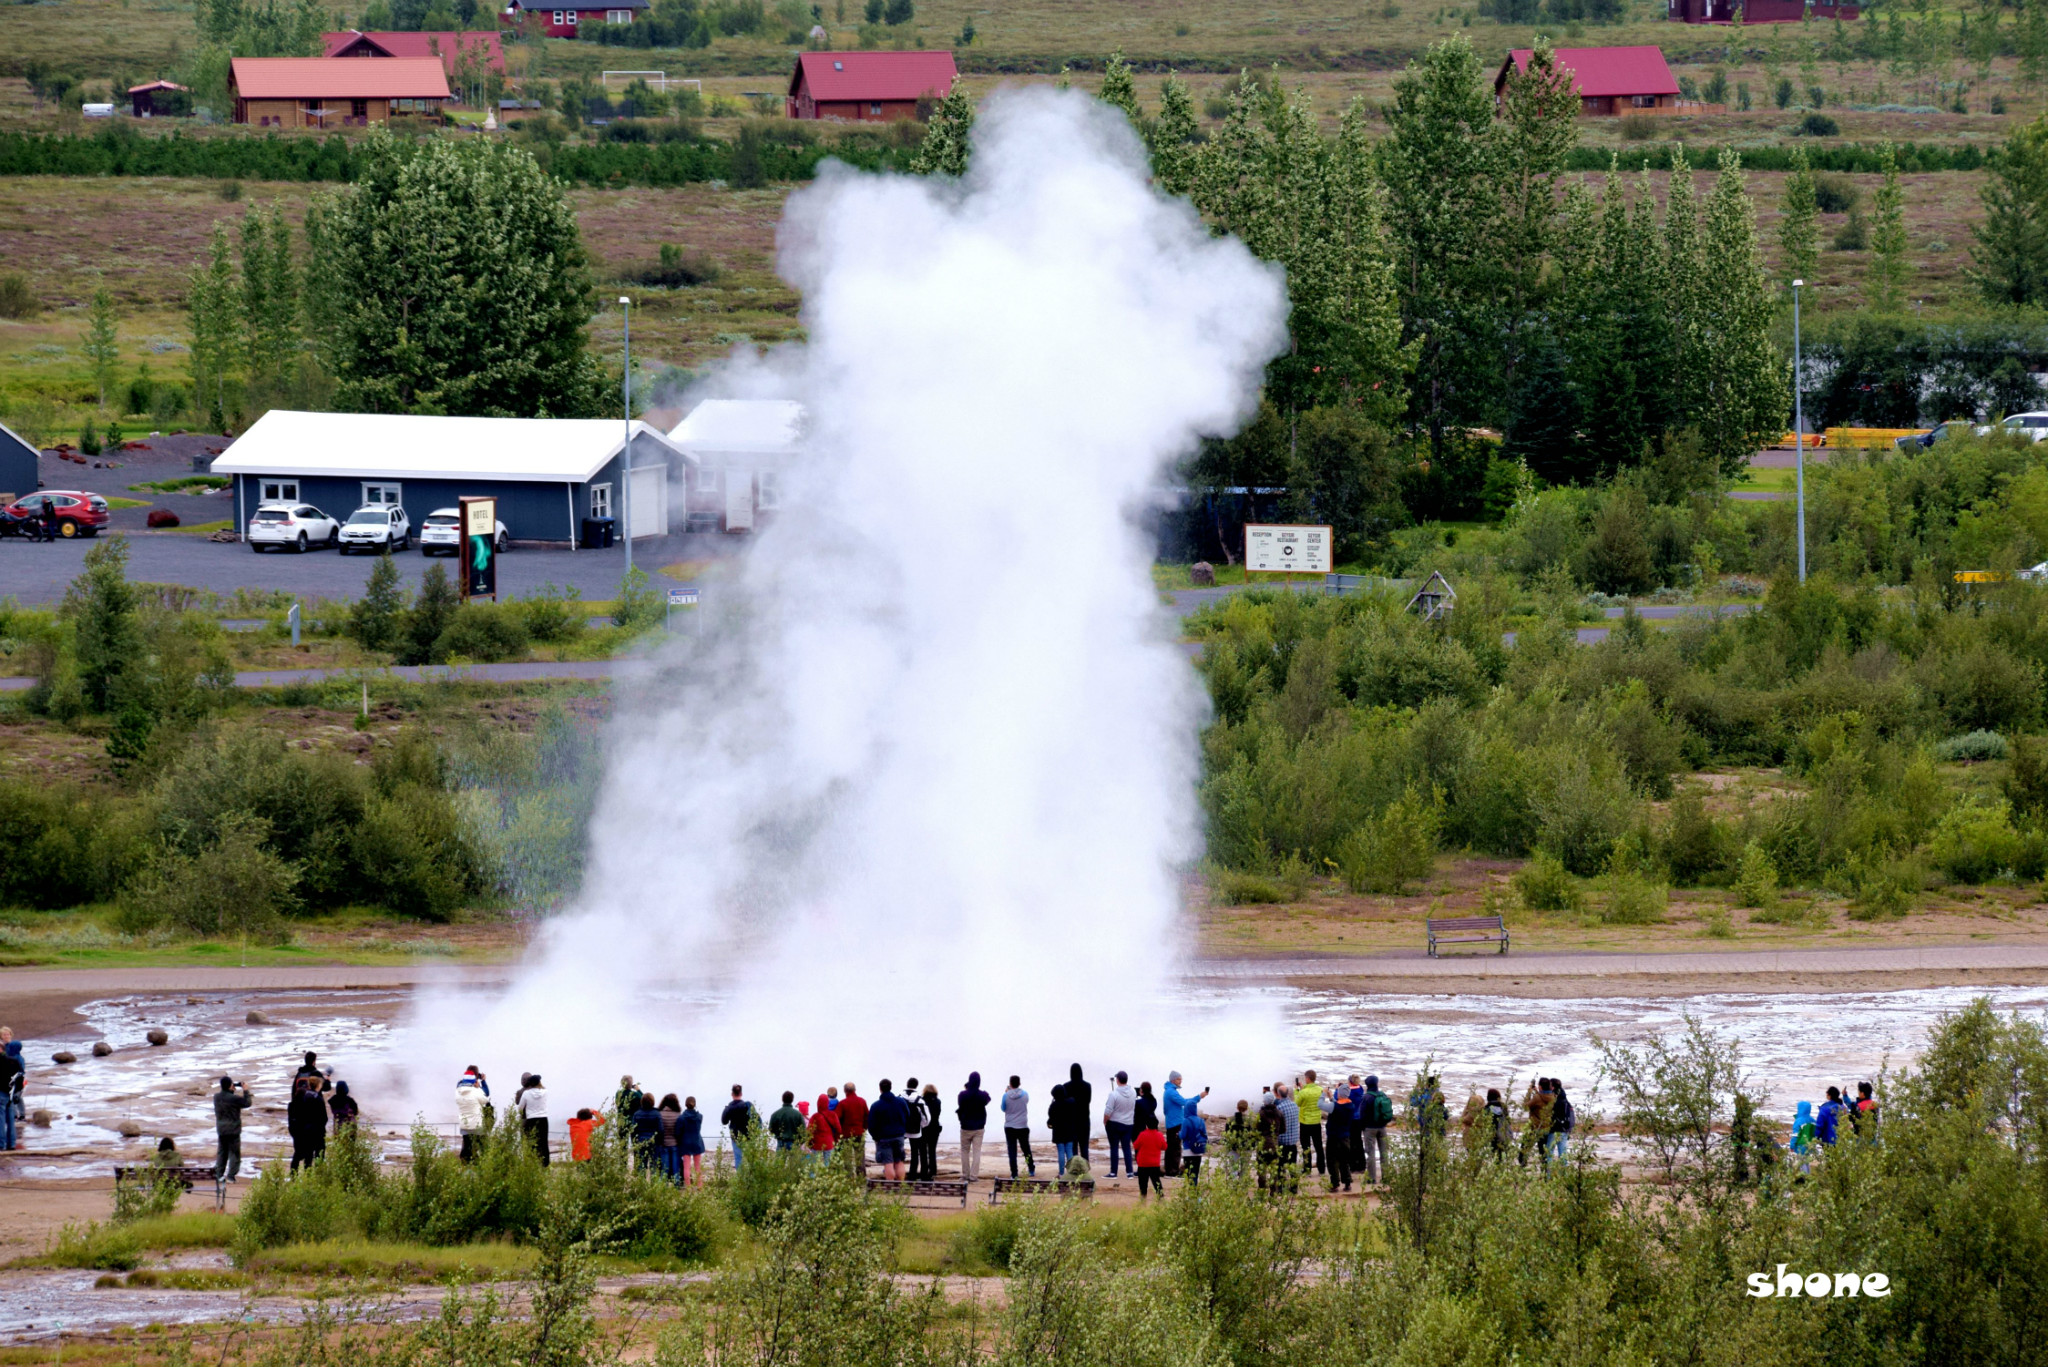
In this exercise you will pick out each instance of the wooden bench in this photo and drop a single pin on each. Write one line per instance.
(187, 1175)
(1038, 1186)
(1459, 930)
(952, 1191)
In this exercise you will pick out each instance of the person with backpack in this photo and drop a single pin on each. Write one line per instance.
(738, 1120)
(1017, 1126)
(890, 1121)
(971, 1107)
(1866, 1113)
(926, 1150)
(1500, 1126)
(1194, 1139)
(1536, 1104)
(1378, 1108)
(1562, 1118)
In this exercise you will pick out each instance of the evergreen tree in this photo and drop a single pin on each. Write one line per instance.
(1740, 387)
(1536, 132)
(455, 281)
(946, 142)
(1543, 432)
(1613, 324)
(432, 610)
(2009, 264)
(1888, 266)
(375, 618)
(216, 328)
(1118, 89)
(101, 604)
(101, 345)
(1799, 227)
(1439, 164)
(1173, 139)
(2032, 40)
(270, 304)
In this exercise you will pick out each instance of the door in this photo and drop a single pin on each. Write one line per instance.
(739, 501)
(650, 501)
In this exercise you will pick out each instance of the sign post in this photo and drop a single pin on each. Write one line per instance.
(683, 597)
(1271, 548)
(479, 548)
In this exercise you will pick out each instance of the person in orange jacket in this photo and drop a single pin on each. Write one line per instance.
(579, 1134)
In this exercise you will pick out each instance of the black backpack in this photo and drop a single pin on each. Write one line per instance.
(1561, 1116)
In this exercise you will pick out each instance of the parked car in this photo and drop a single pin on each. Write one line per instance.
(2031, 425)
(79, 513)
(378, 527)
(297, 525)
(441, 533)
(1920, 441)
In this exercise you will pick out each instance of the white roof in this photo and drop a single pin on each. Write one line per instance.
(751, 426)
(406, 446)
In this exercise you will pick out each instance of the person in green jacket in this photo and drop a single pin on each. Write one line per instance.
(787, 1125)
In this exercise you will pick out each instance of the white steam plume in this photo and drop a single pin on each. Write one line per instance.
(918, 799)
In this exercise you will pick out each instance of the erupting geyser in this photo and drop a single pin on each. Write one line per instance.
(920, 796)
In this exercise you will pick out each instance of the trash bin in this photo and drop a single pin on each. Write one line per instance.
(598, 533)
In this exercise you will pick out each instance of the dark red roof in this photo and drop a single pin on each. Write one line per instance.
(1607, 71)
(445, 45)
(873, 75)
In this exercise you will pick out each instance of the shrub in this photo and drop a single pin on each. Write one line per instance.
(1394, 848)
(483, 631)
(231, 886)
(1818, 125)
(433, 608)
(375, 620)
(2026, 782)
(1638, 127)
(1756, 879)
(17, 300)
(1835, 193)
(1975, 747)
(1876, 888)
(552, 615)
(1695, 844)
(1975, 841)
(637, 605)
(1546, 885)
(1580, 812)
(1245, 889)
(1633, 900)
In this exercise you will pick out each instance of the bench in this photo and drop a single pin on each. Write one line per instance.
(1038, 1186)
(951, 1191)
(187, 1175)
(1460, 930)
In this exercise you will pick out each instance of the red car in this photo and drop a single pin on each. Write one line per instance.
(78, 513)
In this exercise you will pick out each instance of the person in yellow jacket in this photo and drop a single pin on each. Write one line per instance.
(1308, 1095)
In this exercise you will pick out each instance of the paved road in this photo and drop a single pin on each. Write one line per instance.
(1415, 964)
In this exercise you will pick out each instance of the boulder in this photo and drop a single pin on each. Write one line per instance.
(162, 517)
(158, 1037)
(63, 1056)
(40, 1119)
(258, 1018)
(100, 1048)
(1202, 575)
(130, 1130)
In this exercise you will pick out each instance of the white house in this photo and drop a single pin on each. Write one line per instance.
(738, 453)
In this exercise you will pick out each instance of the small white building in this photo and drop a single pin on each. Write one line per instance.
(738, 453)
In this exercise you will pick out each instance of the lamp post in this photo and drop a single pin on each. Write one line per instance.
(626, 451)
(1799, 429)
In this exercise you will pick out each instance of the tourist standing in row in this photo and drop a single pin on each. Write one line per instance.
(531, 1101)
(1119, 1121)
(1017, 1126)
(971, 1107)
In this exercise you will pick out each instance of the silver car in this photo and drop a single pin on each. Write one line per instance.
(296, 526)
(380, 527)
(441, 533)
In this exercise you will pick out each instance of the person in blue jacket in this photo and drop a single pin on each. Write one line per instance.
(889, 1124)
(1828, 1127)
(1177, 1105)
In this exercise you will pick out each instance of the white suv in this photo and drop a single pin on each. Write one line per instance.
(2033, 426)
(377, 527)
(297, 525)
(441, 533)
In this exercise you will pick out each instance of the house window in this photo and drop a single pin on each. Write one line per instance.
(559, 20)
(315, 106)
(359, 109)
(280, 491)
(600, 500)
(572, 17)
(1643, 101)
(874, 109)
(382, 495)
(769, 490)
(618, 16)
(707, 481)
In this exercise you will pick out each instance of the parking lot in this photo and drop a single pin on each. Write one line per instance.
(36, 573)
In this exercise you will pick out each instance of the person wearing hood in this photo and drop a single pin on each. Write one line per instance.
(1562, 1118)
(1377, 1110)
(472, 1095)
(1336, 1109)
(305, 1119)
(1059, 1121)
(650, 1132)
(1119, 1122)
(972, 1109)
(926, 1149)
(342, 1108)
(889, 1120)
(824, 1130)
(1082, 1093)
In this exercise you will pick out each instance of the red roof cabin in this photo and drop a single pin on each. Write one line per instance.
(1609, 80)
(332, 92)
(867, 86)
(446, 45)
(542, 19)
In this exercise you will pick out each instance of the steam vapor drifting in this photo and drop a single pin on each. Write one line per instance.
(919, 796)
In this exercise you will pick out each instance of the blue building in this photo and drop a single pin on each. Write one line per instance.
(548, 474)
(20, 466)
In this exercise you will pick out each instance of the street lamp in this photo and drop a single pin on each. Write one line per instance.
(626, 451)
(1799, 429)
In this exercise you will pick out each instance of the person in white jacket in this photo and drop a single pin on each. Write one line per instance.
(472, 1094)
(531, 1100)
(1120, 1122)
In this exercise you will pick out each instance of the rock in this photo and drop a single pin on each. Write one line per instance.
(63, 1056)
(40, 1119)
(158, 1037)
(194, 1001)
(1202, 575)
(100, 1048)
(162, 517)
(258, 1018)
(130, 1130)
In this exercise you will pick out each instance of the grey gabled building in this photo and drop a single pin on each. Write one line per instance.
(20, 466)
(548, 474)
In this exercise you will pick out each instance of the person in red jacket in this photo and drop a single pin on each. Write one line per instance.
(1150, 1146)
(824, 1131)
(579, 1134)
(853, 1124)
